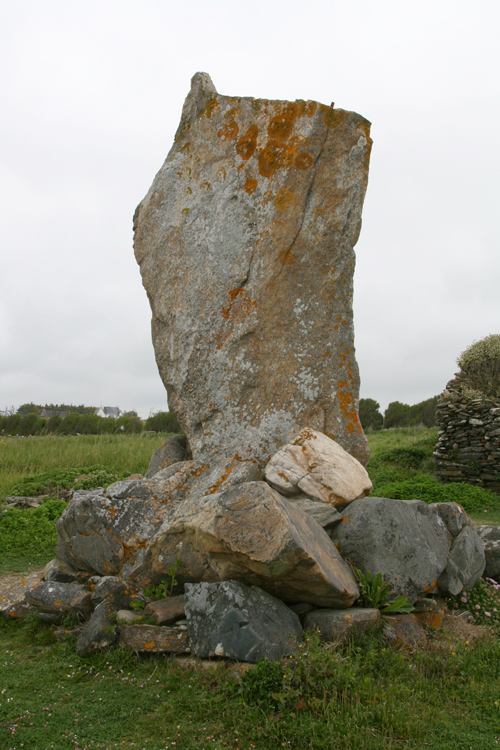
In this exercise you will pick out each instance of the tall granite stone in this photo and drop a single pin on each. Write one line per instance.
(245, 243)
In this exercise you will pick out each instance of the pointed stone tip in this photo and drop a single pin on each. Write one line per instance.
(201, 82)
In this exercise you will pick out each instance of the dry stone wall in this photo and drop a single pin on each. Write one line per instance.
(468, 447)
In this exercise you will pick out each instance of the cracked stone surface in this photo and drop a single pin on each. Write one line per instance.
(245, 243)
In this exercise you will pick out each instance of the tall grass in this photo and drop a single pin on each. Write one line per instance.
(21, 457)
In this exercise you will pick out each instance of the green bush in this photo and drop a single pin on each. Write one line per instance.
(163, 421)
(480, 366)
(30, 533)
(426, 488)
(59, 481)
(369, 414)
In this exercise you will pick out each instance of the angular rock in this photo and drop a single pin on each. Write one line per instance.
(406, 629)
(404, 540)
(239, 622)
(172, 451)
(117, 592)
(258, 201)
(319, 467)
(335, 624)
(454, 517)
(99, 632)
(60, 598)
(128, 617)
(154, 639)
(322, 513)
(491, 538)
(58, 570)
(466, 563)
(167, 610)
(13, 604)
(250, 533)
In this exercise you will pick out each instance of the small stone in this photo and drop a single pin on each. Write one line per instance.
(406, 629)
(335, 624)
(167, 610)
(99, 632)
(154, 639)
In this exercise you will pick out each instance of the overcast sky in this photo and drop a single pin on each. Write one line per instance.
(91, 96)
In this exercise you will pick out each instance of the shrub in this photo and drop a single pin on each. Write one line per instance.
(59, 481)
(480, 365)
(30, 533)
(369, 414)
(163, 421)
(426, 488)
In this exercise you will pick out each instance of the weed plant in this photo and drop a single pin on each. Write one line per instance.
(483, 602)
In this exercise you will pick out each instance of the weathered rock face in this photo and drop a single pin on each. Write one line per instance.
(245, 243)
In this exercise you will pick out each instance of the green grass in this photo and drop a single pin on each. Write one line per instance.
(21, 457)
(366, 696)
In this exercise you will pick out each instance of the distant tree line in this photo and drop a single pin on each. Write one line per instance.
(397, 414)
(82, 422)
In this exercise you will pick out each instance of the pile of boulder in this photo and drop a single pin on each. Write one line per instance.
(256, 554)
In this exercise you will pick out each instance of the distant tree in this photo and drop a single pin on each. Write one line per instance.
(397, 415)
(52, 424)
(424, 412)
(369, 414)
(129, 425)
(88, 424)
(69, 423)
(30, 408)
(11, 423)
(131, 413)
(163, 421)
(30, 424)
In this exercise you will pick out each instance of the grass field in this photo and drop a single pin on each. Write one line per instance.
(368, 695)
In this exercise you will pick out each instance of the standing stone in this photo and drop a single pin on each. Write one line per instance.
(245, 242)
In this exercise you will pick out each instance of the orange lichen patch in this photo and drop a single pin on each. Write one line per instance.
(57, 603)
(281, 125)
(286, 257)
(205, 185)
(430, 588)
(284, 199)
(335, 328)
(187, 148)
(346, 401)
(334, 499)
(209, 107)
(185, 211)
(350, 428)
(269, 158)
(303, 160)
(310, 108)
(344, 520)
(431, 620)
(149, 644)
(246, 145)
(239, 301)
(250, 185)
(228, 131)
(333, 117)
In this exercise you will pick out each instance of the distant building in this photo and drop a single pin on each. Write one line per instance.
(109, 411)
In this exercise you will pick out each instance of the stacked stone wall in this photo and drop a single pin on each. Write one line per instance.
(468, 447)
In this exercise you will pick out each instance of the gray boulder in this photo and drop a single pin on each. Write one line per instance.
(466, 563)
(58, 570)
(491, 538)
(118, 592)
(404, 540)
(239, 622)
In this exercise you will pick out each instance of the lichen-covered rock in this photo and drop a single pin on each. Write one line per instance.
(404, 540)
(58, 570)
(407, 629)
(239, 622)
(491, 539)
(60, 598)
(99, 632)
(466, 563)
(154, 639)
(319, 467)
(167, 610)
(119, 593)
(335, 624)
(245, 244)
(454, 517)
(13, 604)
(252, 534)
